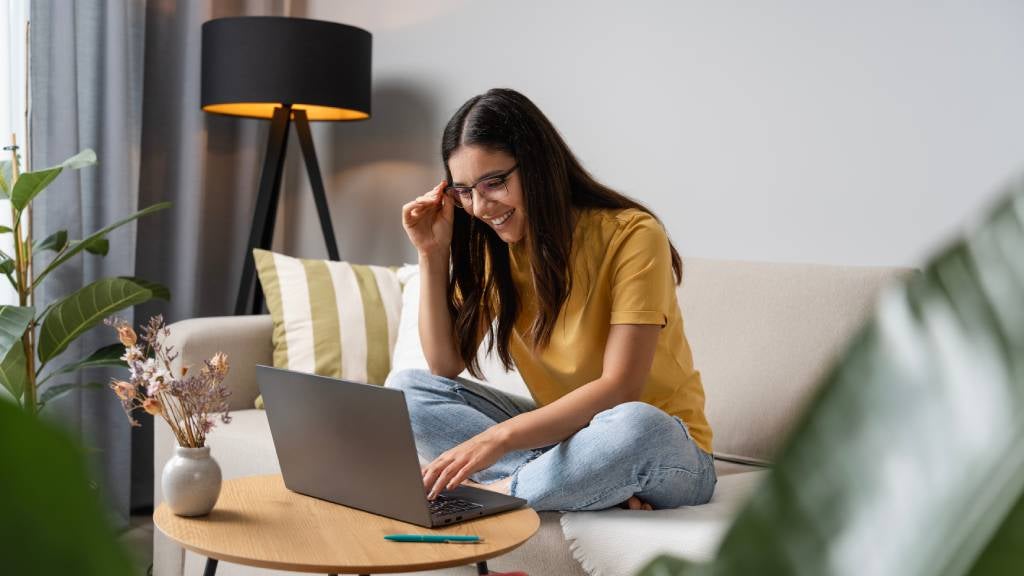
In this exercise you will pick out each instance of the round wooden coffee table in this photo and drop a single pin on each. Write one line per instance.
(259, 522)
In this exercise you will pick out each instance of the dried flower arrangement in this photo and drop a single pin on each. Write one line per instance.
(187, 402)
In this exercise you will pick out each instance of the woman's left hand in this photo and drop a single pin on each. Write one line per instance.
(454, 466)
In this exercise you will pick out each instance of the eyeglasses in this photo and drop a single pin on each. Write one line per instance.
(492, 188)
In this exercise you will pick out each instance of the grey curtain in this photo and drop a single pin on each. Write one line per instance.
(207, 165)
(86, 92)
(122, 77)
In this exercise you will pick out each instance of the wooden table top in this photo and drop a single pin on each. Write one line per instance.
(259, 522)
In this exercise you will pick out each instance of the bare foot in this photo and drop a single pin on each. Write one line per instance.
(635, 503)
(502, 486)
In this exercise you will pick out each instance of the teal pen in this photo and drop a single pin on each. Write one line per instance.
(431, 538)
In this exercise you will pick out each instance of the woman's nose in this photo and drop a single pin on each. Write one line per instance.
(481, 205)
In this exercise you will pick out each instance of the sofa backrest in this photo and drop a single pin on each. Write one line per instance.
(763, 335)
(245, 339)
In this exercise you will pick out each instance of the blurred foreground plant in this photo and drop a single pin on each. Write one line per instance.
(51, 521)
(910, 460)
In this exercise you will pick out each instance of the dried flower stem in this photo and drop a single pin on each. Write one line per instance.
(170, 416)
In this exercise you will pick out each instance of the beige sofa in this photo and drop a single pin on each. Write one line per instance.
(762, 335)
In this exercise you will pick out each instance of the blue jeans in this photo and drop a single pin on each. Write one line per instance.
(633, 449)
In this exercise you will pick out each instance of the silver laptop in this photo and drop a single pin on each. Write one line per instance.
(352, 444)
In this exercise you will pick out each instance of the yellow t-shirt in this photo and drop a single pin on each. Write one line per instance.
(622, 274)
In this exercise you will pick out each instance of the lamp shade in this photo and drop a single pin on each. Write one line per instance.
(254, 64)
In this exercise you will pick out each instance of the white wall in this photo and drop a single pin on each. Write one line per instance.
(785, 130)
(13, 18)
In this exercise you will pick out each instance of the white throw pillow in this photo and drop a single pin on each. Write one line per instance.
(409, 354)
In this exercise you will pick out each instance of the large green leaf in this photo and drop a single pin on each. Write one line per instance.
(5, 179)
(106, 356)
(12, 371)
(910, 460)
(1004, 549)
(83, 309)
(30, 184)
(77, 247)
(51, 520)
(13, 322)
(54, 242)
(98, 246)
(84, 158)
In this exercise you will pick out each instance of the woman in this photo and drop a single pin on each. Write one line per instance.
(574, 285)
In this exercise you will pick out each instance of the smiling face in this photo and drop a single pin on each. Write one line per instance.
(504, 213)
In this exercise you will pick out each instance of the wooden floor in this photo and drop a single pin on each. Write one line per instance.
(138, 540)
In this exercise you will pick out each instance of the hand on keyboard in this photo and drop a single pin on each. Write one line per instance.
(443, 505)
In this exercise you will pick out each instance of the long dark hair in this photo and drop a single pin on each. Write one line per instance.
(553, 183)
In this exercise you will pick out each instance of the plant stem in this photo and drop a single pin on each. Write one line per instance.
(182, 422)
(22, 261)
(190, 423)
(184, 432)
(169, 415)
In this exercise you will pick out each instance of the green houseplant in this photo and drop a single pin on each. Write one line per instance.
(31, 339)
(910, 459)
(53, 522)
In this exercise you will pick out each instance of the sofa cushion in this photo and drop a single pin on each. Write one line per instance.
(244, 447)
(331, 318)
(614, 542)
(763, 335)
(409, 353)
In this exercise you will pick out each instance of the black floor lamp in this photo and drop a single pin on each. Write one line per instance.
(284, 69)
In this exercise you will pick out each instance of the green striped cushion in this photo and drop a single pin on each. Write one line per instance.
(331, 318)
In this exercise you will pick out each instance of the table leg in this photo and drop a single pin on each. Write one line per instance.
(481, 568)
(211, 568)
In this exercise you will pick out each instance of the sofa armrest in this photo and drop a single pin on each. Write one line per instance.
(245, 339)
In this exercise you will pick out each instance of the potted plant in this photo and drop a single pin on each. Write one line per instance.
(31, 339)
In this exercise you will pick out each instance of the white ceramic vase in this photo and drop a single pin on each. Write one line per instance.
(191, 481)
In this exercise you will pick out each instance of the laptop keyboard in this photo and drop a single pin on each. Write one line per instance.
(442, 506)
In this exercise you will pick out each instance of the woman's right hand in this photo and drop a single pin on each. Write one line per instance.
(428, 221)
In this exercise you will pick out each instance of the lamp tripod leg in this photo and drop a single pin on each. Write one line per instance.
(316, 183)
(261, 234)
